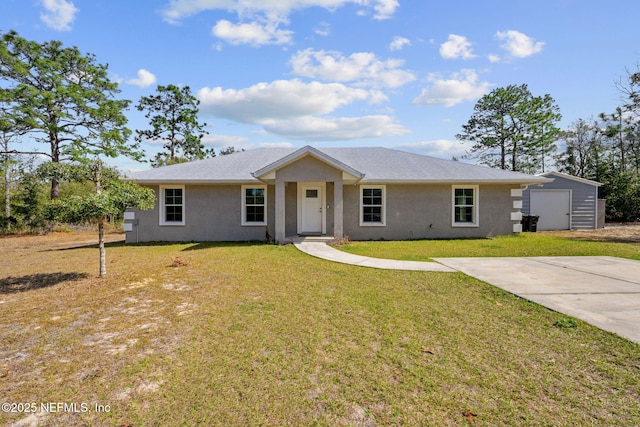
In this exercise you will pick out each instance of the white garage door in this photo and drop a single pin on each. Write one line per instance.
(553, 207)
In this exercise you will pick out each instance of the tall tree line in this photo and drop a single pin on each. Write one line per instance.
(62, 98)
(607, 149)
(58, 108)
(512, 129)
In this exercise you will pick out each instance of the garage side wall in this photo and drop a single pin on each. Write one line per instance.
(584, 198)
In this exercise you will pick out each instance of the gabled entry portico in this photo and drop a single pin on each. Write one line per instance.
(317, 201)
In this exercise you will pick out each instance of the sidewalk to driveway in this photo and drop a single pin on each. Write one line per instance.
(602, 291)
(324, 251)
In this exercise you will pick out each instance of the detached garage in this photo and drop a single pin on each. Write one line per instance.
(567, 203)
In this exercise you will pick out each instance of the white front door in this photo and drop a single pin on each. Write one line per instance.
(311, 213)
(553, 207)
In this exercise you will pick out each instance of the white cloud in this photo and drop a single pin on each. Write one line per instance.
(456, 47)
(323, 29)
(254, 33)
(336, 128)
(291, 108)
(281, 100)
(268, 13)
(362, 68)
(441, 148)
(179, 9)
(144, 79)
(275, 145)
(398, 43)
(240, 143)
(519, 45)
(384, 8)
(377, 97)
(494, 58)
(223, 141)
(460, 87)
(58, 14)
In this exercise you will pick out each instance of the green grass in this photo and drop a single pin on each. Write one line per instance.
(266, 335)
(525, 244)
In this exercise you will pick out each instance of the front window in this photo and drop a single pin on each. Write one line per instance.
(372, 205)
(254, 205)
(465, 209)
(172, 205)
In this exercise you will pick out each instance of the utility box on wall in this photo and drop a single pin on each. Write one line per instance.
(129, 222)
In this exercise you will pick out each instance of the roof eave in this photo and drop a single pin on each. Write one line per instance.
(363, 181)
(195, 181)
(572, 178)
(458, 181)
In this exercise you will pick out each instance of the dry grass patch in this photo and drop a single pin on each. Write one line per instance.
(247, 334)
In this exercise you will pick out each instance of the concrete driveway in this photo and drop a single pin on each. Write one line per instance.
(603, 291)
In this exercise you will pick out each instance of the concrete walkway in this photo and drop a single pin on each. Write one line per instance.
(603, 291)
(320, 249)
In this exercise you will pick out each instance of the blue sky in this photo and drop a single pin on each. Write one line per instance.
(390, 73)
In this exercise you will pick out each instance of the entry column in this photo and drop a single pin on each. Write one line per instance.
(338, 218)
(280, 214)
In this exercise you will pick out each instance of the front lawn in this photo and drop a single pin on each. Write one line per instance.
(524, 244)
(242, 334)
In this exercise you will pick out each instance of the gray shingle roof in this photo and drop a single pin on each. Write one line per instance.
(377, 164)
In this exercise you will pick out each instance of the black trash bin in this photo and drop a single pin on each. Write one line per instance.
(533, 223)
(526, 222)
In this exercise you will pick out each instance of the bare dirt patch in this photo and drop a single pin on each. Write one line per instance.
(615, 233)
(68, 335)
(58, 240)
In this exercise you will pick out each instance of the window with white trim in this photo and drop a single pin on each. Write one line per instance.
(172, 205)
(254, 205)
(465, 206)
(372, 205)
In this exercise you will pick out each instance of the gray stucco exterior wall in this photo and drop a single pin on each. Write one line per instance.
(425, 211)
(413, 211)
(309, 169)
(291, 208)
(212, 213)
(584, 201)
